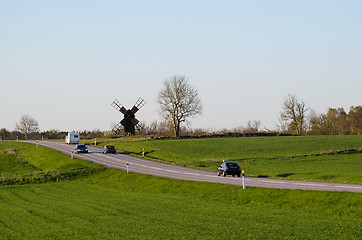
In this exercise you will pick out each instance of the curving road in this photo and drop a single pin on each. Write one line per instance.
(158, 169)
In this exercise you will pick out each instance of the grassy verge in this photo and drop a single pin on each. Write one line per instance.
(24, 163)
(294, 158)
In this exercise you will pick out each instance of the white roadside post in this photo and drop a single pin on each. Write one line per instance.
(243, 179)
(143, 152)
(127, 167)
(37, 143)
(95, 142)
(72, 154)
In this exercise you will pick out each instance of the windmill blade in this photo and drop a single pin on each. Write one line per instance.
(134, 109)
(134, 121)
(123, 110)
(118, 105)
(138, 105)
(118, 127)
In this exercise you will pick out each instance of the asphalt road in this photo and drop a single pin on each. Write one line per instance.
(158, 169)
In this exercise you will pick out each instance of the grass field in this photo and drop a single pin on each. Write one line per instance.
(292, 158)
(23, 163)
(110, 204)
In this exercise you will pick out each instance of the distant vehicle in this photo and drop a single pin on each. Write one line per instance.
(229, 168)
(72, 138)
(109, 149)
(81, 148)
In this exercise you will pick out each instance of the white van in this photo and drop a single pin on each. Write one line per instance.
(72, 138)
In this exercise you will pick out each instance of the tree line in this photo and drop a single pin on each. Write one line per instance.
(179, 101)
(336, 122)
(294, 120)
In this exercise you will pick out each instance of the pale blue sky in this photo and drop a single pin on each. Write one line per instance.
(63, 62)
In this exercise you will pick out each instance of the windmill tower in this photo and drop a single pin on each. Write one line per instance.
(129, 121)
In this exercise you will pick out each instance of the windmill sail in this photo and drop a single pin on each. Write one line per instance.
(118, 105)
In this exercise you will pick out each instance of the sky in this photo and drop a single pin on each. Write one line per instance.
(64, 62)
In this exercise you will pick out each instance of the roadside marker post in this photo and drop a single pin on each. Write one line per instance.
(37, 143)
(95, 142)
(143, 152)
(127, 167)
(243, 179)
(72, 154)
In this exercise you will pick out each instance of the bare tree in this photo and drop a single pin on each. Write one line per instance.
(294, 111)
(153, 127)
(142, 128)
(178, 101)
(254, 126)
(318, 123)
(282, 125)
(27, 125)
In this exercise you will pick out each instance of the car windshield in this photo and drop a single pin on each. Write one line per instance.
(232, 164)
(81, 146)
(110, 147)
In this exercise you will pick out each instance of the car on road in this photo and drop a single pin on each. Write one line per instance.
(109, 149)
(229, 168)
(81, 148)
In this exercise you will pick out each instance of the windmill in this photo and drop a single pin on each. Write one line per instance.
(129, 121)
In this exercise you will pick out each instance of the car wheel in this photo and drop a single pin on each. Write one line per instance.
(233, 175)
(238, 175)
(223, 174)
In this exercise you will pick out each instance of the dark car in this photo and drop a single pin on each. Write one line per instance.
(229, 168)
(81, 148)
(109, 149)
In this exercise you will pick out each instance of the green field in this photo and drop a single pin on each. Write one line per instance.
(292, 158)
(110, 204)
(25, 163)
